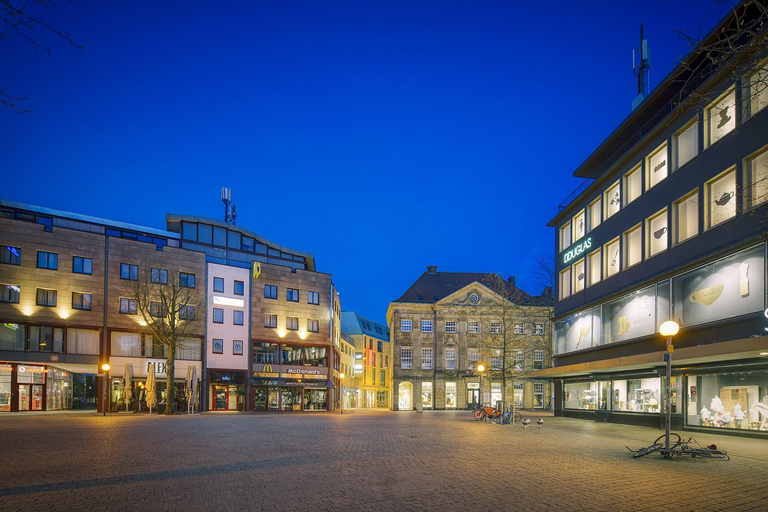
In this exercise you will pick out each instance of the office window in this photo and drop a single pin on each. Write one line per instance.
(292, 323)
(205, 233)
(313, 298)
(612, 256)
(579, 276)
(633, 184)
(10, 293)
(157, 309)
(578, 226)
(519, 359)
(82, 265)
(538, 394)
(237, 347)
(10, 255)
(292, 294)
(186, 280)
(565, 236)
(218, 316)
(496, 360)
(538, 359)
(720, 194)
(46, 297)
(473, 327)
(519, 328)
(218, 284)
(270, 321)
(685, 143)
(426, 358)
(565, 283)
(46, 339)
(720, 117)
(756, 179)
(686, 217)
(595, 213)
(270, 291)
(313, 325)
(495, 327)
(128, 271)
(237, 317)
(612, 200)
(49, 260)
(756, 91)
(406, 358)
(159, 276)
(128, 306)
(538, 329)
(450, 359)
(426, 326)
(595, 267)
(656, 166)
(450, 326)
(405, 326)
(656, 233)
(239, 288)
(187, 312)
(473, 356)
(81, 301)
(633, 245)
(218, 346)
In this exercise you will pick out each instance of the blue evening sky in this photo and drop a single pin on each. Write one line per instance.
(381, 136)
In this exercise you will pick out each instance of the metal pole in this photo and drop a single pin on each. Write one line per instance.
(106, 383)
(668, 408)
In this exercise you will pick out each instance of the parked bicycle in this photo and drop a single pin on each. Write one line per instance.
(494, 414)
(679, 447)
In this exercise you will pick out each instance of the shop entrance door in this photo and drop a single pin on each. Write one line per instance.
(473, 398)
(220, 398)
(30, 397)
(259, 399)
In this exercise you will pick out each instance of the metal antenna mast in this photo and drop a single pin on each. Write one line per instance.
(641, 63)
(230, 210)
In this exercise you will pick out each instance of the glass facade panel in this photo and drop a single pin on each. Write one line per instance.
(729, 400)
(580, 395)
(637, 395)
(631, 316)
(12, 337)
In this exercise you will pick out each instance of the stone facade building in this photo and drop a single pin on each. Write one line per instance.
(373, 360)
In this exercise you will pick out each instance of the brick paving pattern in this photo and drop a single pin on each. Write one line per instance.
(359, 461)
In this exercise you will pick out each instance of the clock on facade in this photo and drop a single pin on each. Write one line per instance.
(474, 298)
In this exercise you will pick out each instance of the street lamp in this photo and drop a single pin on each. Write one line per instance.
(105, 368)
(668, 329)
(480, 370)
(341, 393)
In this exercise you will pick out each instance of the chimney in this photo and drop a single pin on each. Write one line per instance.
(431, 269)
(511, 280)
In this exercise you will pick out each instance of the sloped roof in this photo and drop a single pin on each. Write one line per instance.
(352, 323)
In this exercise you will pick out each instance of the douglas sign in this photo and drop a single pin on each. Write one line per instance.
(577, 250)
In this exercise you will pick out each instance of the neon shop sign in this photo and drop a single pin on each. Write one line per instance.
(577, 249)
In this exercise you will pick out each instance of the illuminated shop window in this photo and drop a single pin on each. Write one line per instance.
(565, 283)
(594, 267)
(720, 196)
(565, 236)
(633, 184)
(686, 217)
(578, 225)
(756, 91)
(633, 245)
(612, 200)
(595, 213)
(656, 166)
(656, 233)
(756, 179)
(720, 117)
(579, 276)
(686, 143)
(612, 257)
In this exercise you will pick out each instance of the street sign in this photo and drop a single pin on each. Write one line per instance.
(666, 358)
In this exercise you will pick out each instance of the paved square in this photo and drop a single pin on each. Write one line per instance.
(359, 461)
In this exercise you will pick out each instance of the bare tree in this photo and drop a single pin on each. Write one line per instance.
(172, 310)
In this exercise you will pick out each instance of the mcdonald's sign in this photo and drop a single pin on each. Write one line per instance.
(267, 368)
(256, 269)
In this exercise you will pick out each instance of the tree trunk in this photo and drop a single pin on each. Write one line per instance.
(170, 390)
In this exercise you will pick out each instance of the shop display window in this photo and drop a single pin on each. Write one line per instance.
(612, 257)
(612, 200)
(594, 267)
(720, 117)
(656, 233)
(58, 392)
(290, 399)
(756, 179)
(726, 288)
(594, 213)
(565, 236)
(603, 395)
(495, 393)
(11, 337)
(6, 370)
(578, 331)
(580, 395)
(685, 143)
(631, 316)
(578, 224)
(450, 395)
(637, 395)
(633, 246)
(315, 399)
(656, 166)
(565, 283)
(720, 194)
(633, 184)
(426, 394)
(729, 400)
(686, 217)
(675, 395)
(579, 276)
(756, 91)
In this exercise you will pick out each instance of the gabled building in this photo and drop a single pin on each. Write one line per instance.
(373, 360)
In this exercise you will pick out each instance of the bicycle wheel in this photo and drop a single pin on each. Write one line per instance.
(642, 452)
(518, 417)
(672, 443)
(479, 415)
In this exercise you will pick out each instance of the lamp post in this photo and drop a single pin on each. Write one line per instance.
(341, 393)
(105, 368)
(668, 329)
(480, 370)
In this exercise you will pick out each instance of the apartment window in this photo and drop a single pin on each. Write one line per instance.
(239, 288)
(49, 260)
(720, 117)
(270, 321)
(594, 267)
(595, 213)
(473, 356)
(406, 358)
(612, 200)
(237, 347)
(270, 291)
(426, 326)
(186, 280)
(10, 293)
(519, 328)
(10, 255)
(187, 312)
(128, 306)
(46, 297)
(128, 271)
(579, 276)
(157, 309)
(578, 225)
(633, 245)
(656, 166)
(611, 253)
(46, 339)
(686, 217)
(519, 359)
(756, 179)
(538, 329)
(292, 294)
(685, 143)
(405, 326)
(565, 283)
(565, 236)
(82, 265)
(656, 233)
(450, 359)
(237, 317)
(218, 346)
(756, 91)
(81, 301)
(313, 325)
(450, 326)
(495, 361)
(519, 394)
(159, 276)
(538, 359)
(313, 298)
(218, 284)
(473, 327)
(292, 323)
(495, 327)
(538, 394)
(426, 358)
(720, 196)
(633, 184)
(218, 316)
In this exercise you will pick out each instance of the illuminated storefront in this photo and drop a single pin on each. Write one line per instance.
(27, 387)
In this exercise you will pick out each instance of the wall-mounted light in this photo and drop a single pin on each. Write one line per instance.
(64, 313)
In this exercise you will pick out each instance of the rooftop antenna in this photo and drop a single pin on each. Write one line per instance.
(641, 63)
(230, 210)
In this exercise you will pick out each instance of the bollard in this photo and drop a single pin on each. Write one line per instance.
(540, 422)
(526, 422)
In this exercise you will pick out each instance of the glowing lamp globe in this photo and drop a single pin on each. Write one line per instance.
(105, 367)
(669, 328)
(341, 375)
(480, 368)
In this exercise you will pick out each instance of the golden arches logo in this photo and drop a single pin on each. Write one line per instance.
(267, 368)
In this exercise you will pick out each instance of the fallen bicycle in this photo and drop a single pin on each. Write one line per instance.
(680, 447)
